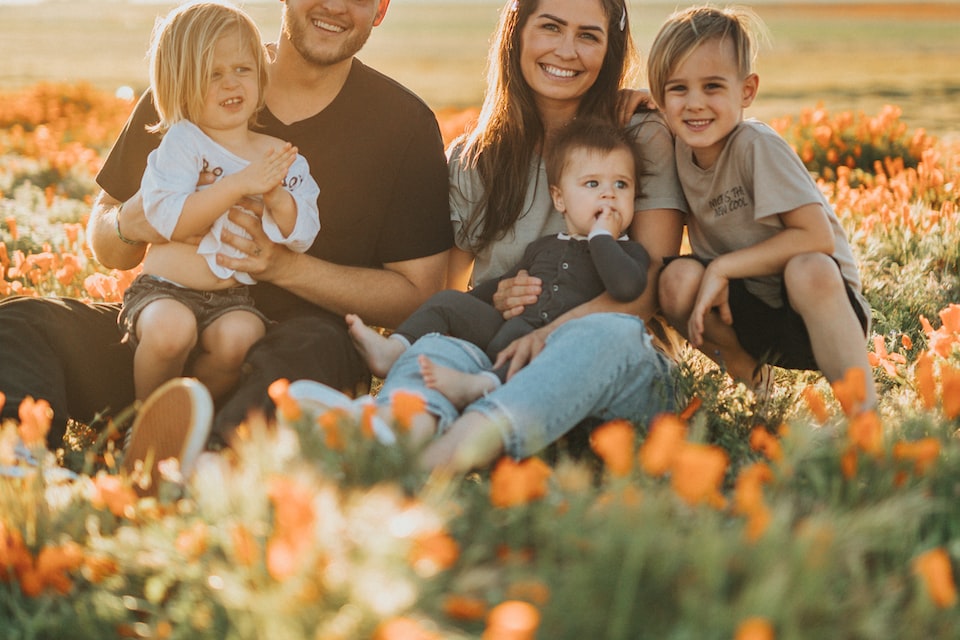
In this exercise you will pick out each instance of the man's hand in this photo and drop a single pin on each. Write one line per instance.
(523, 350)
(513, 294)
(264, 257)
(714, 293)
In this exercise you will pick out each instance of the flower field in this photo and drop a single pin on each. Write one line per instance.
(739, 517)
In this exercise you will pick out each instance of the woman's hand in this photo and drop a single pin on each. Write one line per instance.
(629, 100)
(523, 350)
(513, 294)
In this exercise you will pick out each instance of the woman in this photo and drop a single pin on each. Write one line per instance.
(551, 60)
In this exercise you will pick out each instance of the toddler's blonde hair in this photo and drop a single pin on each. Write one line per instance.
(181, 57)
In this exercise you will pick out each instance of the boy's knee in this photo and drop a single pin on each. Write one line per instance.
(678, 282)
(812, 274)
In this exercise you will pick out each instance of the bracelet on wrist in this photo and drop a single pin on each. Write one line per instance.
(124, 239)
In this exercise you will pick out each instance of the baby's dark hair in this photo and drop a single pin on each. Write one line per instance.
(592, 134)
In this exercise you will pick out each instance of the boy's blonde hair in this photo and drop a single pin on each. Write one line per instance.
(685, 30)
(181, 57)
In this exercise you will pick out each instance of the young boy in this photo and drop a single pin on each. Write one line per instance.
(593, 172)
(772, 279)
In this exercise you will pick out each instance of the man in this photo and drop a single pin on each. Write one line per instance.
(375, 151)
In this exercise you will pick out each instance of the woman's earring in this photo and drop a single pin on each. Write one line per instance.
(623, 18)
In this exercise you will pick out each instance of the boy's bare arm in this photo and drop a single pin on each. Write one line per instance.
(807, 230)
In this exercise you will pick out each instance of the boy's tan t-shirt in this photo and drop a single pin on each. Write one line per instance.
(734, 204)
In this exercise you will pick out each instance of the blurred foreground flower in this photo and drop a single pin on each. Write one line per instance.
(936, 572)
(516, 483)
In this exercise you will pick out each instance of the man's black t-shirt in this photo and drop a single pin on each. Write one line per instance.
(375, 152)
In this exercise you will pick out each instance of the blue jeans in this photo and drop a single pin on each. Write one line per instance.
(600, 366)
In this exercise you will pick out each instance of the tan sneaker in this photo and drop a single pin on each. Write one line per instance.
(173, 422)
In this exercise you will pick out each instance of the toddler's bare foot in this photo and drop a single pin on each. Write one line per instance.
(378, 351)
(458, 387)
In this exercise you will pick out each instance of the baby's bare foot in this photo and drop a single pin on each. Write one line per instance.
(458, 387)
(378, 351)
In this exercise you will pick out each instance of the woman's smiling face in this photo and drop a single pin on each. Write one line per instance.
(563, 45)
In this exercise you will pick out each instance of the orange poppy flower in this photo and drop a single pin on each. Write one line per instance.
(515, 483)
(329, 422)
(3, 399)
(748, 499)
(754, 628)
(35, 418)
(766, 443)
(666, 436)
(294, 517)
(96, 568)
(512, 620)
(906, 341)
(532, 591)
(848, 463)
(614, 442)
(936, 572)
(866, 433)
(851, 391)
(879, 357)
(942, 340)
(12, 227)
(287, 407)
(407, 406)
(926, 386)
(748, 489)
(433, 552)
(460, 607)
(815, 402)
(244, 545)
(950, 390)
(14, 555)
(192, 541)
(114, 493)
(403, 629)
(698, 472)
(366, 420)
(923, 453)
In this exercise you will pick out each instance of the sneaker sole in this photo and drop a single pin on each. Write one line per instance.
(174, 422)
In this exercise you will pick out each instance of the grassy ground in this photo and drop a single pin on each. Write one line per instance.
(851, 56)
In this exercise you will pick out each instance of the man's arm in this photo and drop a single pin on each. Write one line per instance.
(119, 232)
(382, 297)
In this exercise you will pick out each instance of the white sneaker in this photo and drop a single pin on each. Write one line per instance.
(173, 422)
(317, 397)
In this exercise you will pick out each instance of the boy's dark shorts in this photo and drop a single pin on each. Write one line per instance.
(774, 336)
(206, 306)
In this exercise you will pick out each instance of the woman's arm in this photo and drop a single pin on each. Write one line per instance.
(459, 269)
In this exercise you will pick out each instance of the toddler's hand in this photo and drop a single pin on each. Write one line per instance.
(267, 173)
(610, 220)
